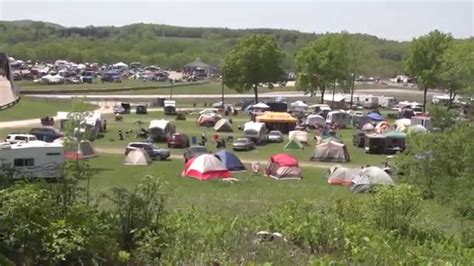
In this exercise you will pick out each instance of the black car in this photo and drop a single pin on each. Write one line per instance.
(141, 110)
(193, 151)
(47, 134)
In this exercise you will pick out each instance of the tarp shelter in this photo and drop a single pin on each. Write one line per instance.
(376, 117)
(223, 125)
(9, 95)
(75, 150)
(339, 117)
(281, 121)
(161, 129)
(206, 167)
(331, 151)
(370, 177)
(339, 175)
(395, 141)
(315, 121)
(416, 129)
(137, 157)
(375, 143)
(402, 124)
(230, 161)
(293, 144)
(255, 130)
(282, 167)
(301, 136)
(382, 127)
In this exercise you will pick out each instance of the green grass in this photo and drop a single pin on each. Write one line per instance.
(35, 108)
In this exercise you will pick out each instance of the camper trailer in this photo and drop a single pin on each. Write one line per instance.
(387, 102)
(31, 160)
(370, 102)
(255, 131)
(339, 117)
(169, 107)
(160, 130)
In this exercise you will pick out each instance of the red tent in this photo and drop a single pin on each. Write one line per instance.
(206, 167)
(283, 166)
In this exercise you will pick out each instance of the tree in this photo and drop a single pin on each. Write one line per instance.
(457, 68)
(256, 59)
(425, 59)
(323, 63)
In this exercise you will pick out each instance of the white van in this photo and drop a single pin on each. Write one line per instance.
(20, 138)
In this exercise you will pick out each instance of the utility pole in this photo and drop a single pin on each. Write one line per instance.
(171, 89)
(222, 81)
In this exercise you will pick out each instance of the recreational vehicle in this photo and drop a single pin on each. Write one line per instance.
(339, 117)
(387, 102)
(160, 130)
(255, 131)
(31, 160)
(370, 102)
(169, 107)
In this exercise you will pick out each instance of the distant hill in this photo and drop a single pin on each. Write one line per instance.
(172, 46)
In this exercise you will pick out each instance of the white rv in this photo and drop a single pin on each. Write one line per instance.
(370, 101)
(387, 101)
(255, 131)
(35, 159)
(340, 117)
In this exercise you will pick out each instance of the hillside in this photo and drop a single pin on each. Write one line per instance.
(172, 46)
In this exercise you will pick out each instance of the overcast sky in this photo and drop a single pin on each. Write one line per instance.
(396, 20)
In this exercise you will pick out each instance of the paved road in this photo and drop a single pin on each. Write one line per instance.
(288, 94)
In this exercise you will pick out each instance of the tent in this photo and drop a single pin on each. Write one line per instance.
(339, 175)
(230, 161)
(301, 136)
(315, 121)
(375, 143)
(282, 167)
(206, 167)
(370, 177)
(120, 65)
(281, 121)
(332, 138)
(208, 120)
(402, 124)
(298, 106)
(223, 125)
(82, 151)
(293, 144)
(416, 129)
(375, 116)
(260, 106)
(382, 127)
(137, 157)
(331, 151)
(368, 127)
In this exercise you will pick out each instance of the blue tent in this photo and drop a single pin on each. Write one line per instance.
(230, 160)
(375, 116)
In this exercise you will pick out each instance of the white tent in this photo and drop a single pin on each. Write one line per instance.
(260, 106)
(315, 121)
(137, 157)
(162, 124)
(370, 177)
(120, 64)
(223, 125)
(301, 136)
(339, 175)
(402, 124)
(417, 129)
(368, 127)
(81, 66)
(298, 106)
(208, 111)
(84, 150)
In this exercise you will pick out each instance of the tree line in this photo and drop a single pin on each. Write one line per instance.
(172, 47)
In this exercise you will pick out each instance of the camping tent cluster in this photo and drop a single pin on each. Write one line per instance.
(213, 166)
(359, 179)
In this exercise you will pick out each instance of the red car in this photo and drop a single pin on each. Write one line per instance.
(178, 140)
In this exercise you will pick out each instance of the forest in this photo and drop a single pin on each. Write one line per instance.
(171, 46)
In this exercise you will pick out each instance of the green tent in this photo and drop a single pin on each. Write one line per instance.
(293, 144)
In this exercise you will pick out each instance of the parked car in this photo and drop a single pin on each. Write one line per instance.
(20, 138)
(243, 144)
(193, 151)
(275, 136)
(141, 110)
(111, 77)
(123, 108)
(154, 152)
(178, 140)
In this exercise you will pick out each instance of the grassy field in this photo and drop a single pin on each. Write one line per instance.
(29, 108)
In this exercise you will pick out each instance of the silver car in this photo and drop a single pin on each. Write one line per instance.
(275, 136)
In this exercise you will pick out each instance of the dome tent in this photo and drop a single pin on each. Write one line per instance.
(339, 175)
(293, 144)
(370, 177)
(331, 151)
(283, 167)
(223, 125)
(230, 161)
(206, 167)
(137, 157)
